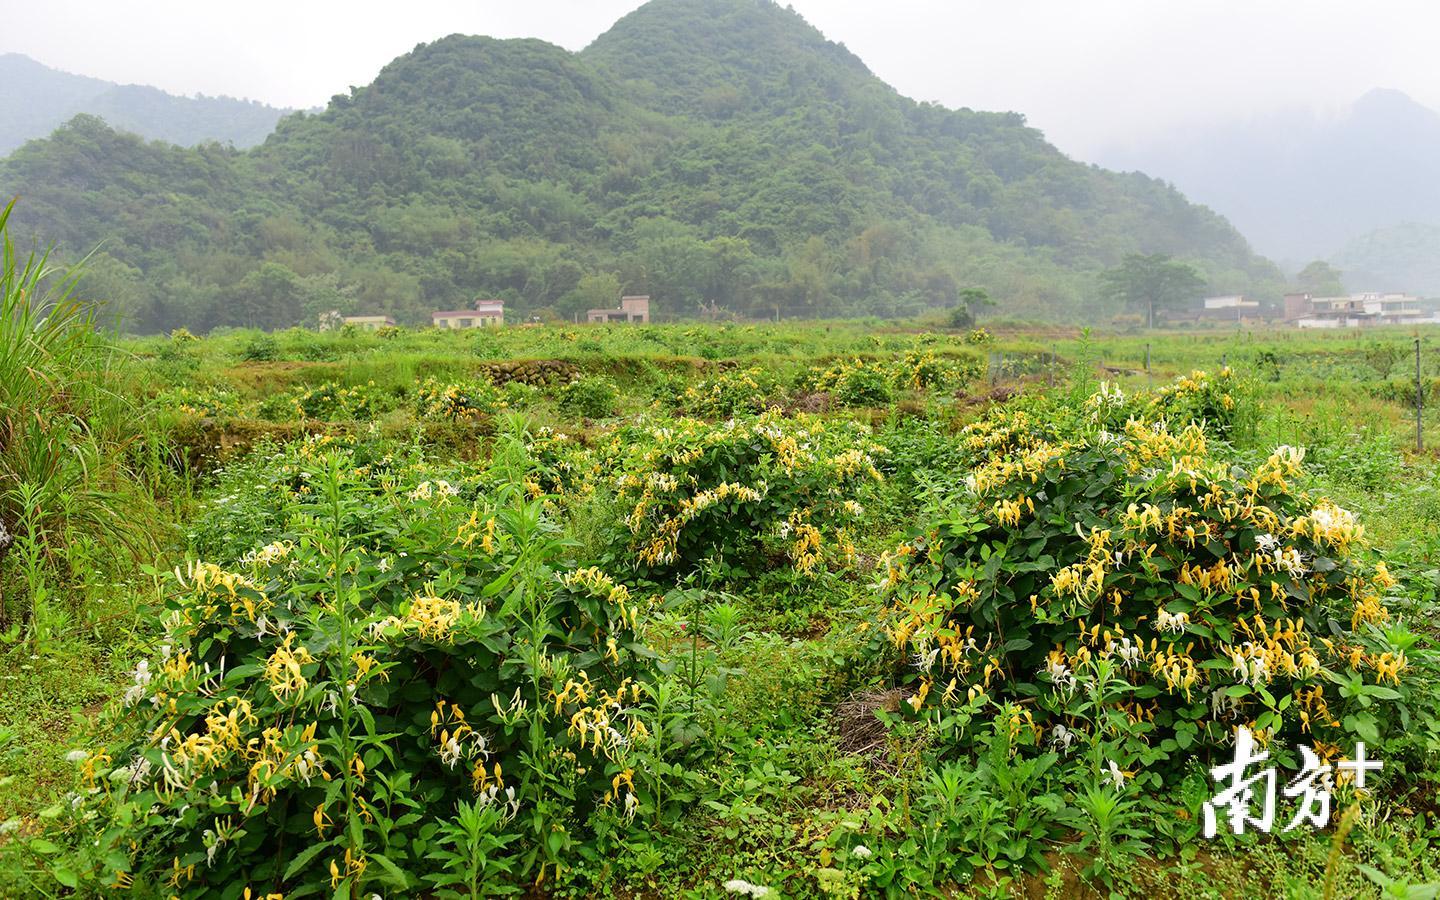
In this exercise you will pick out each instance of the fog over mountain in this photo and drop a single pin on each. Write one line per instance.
(1302, 185)
(37, 99)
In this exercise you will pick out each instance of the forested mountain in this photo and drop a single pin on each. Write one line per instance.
(1302, 186)
(38, 99)
(717, 151)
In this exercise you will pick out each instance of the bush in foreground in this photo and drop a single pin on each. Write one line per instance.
(404, 691)
(1137, 593)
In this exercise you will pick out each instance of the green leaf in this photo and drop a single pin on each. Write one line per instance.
(396, 875)
(304, 857)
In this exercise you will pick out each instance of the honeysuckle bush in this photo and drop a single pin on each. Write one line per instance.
(728, 393)
(201, 401)
(592, 397)
(868, 382)
(851, 382)
(1144, 566)
(330, 401)
(466, 401)
(1221, 402)
(405, 689)
(744, 494)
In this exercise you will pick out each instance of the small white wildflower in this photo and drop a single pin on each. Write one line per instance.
(861, 852)
(75, 756)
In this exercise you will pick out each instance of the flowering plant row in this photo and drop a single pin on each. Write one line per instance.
(862, 382)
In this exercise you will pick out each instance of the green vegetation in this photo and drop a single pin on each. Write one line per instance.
(716, 152)
(834, 610)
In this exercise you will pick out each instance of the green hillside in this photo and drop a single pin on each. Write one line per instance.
(716, 151)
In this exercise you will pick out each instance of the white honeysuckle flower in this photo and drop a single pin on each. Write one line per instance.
(137, 691)
(1115, 775)
(1171, 623)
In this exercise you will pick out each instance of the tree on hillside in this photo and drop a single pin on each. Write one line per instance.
(1154, 280)
(597, 291)
(1321, 278)
(962, 314)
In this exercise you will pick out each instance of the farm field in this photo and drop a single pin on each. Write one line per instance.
(849, 609)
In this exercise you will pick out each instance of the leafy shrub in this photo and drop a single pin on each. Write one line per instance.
(853, 382)
(454, 402)
(559, 468)
(592, 397)
(729, 393)
(333, 401)
(201, 401)
(744, 492)
(402, 685)
(261, 348)
(924, 463)
(920, 370)
(1218, 401)
(1203, 595)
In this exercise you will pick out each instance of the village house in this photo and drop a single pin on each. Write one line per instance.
(1230, 308)
(332, 320)
(486, 314)
(1307, 311)
(370, 323)
(632, 309)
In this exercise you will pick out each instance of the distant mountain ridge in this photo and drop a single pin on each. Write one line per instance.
(1301, 187)
(38, 99)
(1404, 257)
(700, 151)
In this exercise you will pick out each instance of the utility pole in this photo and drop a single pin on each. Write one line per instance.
(1419, 402)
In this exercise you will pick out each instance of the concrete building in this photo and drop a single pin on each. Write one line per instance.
(332, 321)
(486, 314)
(632, 309)
(1231, 308)
(369, 323)
(1356, 310)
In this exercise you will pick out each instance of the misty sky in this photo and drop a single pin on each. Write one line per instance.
(1091, 73)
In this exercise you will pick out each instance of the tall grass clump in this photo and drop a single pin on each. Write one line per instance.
(70, 495)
